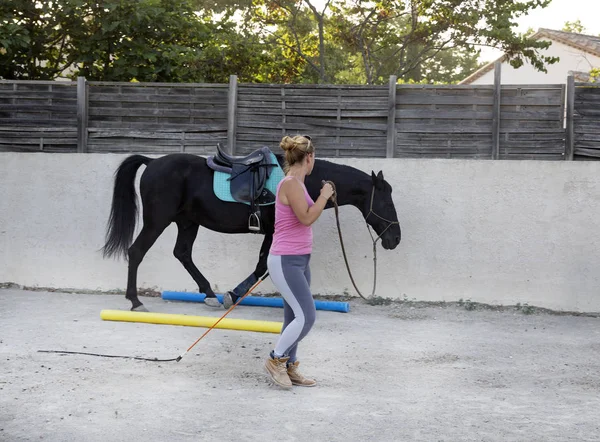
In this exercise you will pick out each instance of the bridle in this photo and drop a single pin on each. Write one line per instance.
(371, 212)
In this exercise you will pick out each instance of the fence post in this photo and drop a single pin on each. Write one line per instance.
(496, 110)
(569, 136)
(82, 115)
(232, 114)
(391, 123)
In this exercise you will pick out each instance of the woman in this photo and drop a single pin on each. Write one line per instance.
(289, 257)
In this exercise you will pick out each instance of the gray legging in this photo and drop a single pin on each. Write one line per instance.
(291, 276)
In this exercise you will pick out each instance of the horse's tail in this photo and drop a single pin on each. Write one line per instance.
(124, 209)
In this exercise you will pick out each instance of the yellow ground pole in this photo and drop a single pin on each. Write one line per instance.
(191, 321)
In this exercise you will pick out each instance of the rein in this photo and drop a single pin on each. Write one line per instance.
(371, 212)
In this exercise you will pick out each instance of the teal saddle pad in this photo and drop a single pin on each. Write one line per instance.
(222, 188)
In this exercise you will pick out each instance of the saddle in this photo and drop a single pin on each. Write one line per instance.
(248, 176)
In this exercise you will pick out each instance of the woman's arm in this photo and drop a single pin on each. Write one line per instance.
(293, 196)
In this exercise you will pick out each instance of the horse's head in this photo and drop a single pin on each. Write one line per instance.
(380, 212)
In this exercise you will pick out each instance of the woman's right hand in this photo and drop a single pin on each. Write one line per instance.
(327, 191)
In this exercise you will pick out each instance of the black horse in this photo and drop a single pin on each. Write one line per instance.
(179, 188)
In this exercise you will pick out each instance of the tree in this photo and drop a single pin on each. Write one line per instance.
(396, 37)
(261, 40)
(146, 40)
(447, 66)
(121, 40)
(33, 39)
(299, 29)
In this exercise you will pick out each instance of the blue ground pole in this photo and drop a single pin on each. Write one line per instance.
(334, 306)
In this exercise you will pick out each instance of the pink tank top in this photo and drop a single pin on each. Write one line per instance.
(291, 237)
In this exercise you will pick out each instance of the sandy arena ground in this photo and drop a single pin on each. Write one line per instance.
(386, 373)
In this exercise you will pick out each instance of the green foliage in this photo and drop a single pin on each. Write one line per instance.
(280, 41)
(33, 42)
(119, 40)
(149, 40)
(418, 41)
(574, 26)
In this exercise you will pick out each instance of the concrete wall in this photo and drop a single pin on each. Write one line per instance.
(498, 232)
(571, 59)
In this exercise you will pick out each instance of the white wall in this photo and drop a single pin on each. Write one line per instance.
(498, 232)
(571, 59)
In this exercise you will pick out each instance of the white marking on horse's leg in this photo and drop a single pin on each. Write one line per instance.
(212, 302)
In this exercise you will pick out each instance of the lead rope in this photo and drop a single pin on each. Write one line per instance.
(337, 220)
(177, 359)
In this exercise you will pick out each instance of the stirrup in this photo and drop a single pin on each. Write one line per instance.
(254, 222)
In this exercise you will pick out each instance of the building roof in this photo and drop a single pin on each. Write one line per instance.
(583, 77)
(585, 43)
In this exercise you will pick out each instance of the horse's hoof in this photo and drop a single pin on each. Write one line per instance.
(140, 308)
(212, 302)
(228, 300)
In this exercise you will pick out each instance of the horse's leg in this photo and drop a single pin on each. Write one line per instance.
(147, 237)
(232, 296)
(186, 236)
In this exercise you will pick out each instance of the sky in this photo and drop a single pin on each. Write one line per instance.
(554, 17)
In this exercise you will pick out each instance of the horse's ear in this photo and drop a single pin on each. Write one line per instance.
(377, 179)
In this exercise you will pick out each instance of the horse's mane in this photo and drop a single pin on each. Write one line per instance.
(341, 168)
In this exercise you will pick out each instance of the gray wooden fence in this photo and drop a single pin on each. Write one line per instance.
(343, 120)
(38, 116)
(404, 121)
(583, 125)
(165, 118)
(481, 122)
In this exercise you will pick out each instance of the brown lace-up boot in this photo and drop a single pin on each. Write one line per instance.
(276, 367)
(297, 378)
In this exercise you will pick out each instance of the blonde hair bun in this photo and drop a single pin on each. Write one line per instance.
(287, 143)
(296, 149)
